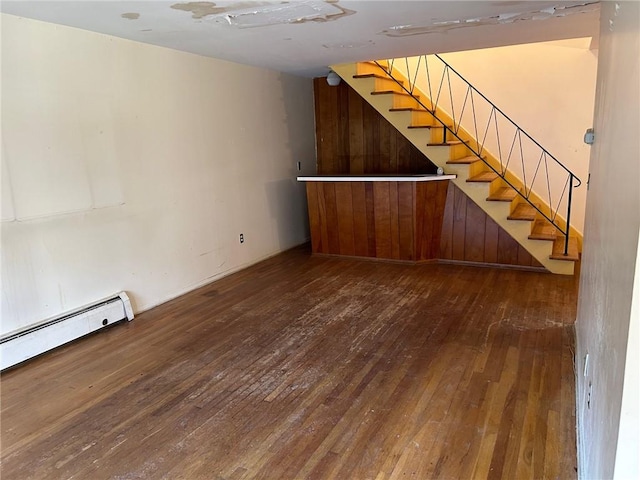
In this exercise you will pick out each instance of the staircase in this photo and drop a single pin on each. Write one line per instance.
(484, 177)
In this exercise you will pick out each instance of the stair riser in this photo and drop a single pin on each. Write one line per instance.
(366, 68)
(425, 135)
(521, 209)
(458, 151)
(497, 185)
(382, 84)
(477, 168)
(423, 118)
(404, 101)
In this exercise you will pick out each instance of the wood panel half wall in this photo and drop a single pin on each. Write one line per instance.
(384, 220)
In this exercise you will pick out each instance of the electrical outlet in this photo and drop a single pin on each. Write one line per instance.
(242, 238)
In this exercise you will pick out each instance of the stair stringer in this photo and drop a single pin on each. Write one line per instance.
(439, 155)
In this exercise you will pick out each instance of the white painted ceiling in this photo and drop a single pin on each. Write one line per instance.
(303, 37)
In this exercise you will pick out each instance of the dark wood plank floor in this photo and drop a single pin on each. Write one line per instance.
(308, 367)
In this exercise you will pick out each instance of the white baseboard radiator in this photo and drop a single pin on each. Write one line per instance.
(26, 343)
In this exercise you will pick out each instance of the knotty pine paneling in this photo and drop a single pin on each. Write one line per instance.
(470, 235)
(352, 137)
(391, 220)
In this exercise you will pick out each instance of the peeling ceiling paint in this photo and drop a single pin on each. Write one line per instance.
(444, 26)
(303, 37)
(261, 14)
(204, 9)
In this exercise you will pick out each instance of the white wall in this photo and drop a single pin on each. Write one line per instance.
(610, 252)
(627, 461)
(132, 167)
(547, 89)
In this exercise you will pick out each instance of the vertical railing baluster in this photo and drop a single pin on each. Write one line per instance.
(495, 121)
(453, 110)
(546, 168)
(406, 65)
(426, 64)
(568, 226)
(486, 131)
(415, 77)
(524, 173)
(440, 89)
(475, 125)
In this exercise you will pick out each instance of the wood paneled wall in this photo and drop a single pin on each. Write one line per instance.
(389, 220)
(469, 234)
(352, 137)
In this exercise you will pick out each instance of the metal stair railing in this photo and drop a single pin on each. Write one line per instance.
(452, 94)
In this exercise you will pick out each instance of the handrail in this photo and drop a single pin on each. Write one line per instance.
(471, 94)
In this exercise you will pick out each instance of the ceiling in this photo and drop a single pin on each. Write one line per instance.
(303, 37)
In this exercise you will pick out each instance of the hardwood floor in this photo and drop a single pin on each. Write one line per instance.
(312, 367)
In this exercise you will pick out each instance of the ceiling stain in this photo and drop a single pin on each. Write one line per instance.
(368, 43)
(444, 26)
(204, 9)
(131, 15)
(506, 3)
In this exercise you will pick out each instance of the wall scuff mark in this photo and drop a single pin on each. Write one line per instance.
(131, 15)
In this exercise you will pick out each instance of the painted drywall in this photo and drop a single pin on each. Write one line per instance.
(612, 225)
(627, 462)
(127, 166)
(547, 89)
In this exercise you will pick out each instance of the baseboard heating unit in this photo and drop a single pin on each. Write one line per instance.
(26, 343)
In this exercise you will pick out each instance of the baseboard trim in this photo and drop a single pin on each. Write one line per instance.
(435, 261)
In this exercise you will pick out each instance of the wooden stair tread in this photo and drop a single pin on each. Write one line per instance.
(523, 211)
(372, 75)
(557, 252)
(395, 92)
(464, 160)
(504, 194)
(410, 109)
(449, 143)
(543, 230)
(425, 126)
(484, 177)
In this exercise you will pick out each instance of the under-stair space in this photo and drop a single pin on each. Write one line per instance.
(497, 190)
